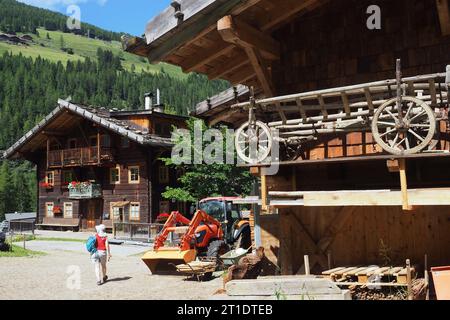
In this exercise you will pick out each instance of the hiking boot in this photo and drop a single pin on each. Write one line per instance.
(105, 278)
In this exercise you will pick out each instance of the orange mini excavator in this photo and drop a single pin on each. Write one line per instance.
(203, 235)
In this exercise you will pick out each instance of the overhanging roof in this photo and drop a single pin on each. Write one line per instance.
(66, 109)
(190, 34)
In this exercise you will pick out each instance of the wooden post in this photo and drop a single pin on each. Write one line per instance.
(263, 192)
(48, 152)
(98, 147)
(404, 185)
(408, 279)
(329, 260)
(426, 276)
(307, 269)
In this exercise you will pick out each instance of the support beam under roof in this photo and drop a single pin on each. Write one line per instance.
(443, 8)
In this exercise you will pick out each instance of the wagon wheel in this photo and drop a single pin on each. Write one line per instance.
(253, 142)
(409, 135)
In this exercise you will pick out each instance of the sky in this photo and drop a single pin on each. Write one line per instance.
(128, 16)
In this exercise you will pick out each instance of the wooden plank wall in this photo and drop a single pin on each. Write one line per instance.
(332, 47)
(371, 235)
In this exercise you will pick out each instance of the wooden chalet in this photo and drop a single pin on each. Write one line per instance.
(100, 166)
(339, 198)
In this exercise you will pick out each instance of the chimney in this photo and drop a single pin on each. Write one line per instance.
(148, 101)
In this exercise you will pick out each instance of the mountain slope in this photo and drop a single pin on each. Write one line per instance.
(82, 47)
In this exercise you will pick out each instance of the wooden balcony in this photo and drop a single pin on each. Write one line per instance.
(85, 191)
(79, 157)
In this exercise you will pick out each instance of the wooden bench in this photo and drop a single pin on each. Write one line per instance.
(60, 223)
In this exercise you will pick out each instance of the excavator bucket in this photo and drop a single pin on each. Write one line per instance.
(164, 260)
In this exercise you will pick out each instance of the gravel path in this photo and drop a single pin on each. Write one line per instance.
(54, 276)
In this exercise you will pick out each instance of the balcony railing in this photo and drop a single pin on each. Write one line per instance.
(85, 191)
(79, 157)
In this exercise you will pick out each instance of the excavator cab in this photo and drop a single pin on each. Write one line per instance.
(235, 226)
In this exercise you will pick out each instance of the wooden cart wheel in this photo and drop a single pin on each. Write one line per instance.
(253, 143)
(409, 136)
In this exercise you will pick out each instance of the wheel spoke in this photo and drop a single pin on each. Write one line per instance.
(419, 125)
(407, 142)
(387, 132)
(395, 140)
(416, 135)
(392, 115)
(409, 110)
(417, 116)
(398, 144)
(386, 123)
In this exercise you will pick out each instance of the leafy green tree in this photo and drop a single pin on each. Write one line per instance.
(201, 180)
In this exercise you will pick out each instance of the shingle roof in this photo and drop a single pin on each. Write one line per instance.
(20, 216)
(99, 116)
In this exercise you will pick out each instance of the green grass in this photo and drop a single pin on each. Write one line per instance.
(18, 251)
(83, 47)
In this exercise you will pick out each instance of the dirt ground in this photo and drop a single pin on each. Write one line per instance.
(62, 274)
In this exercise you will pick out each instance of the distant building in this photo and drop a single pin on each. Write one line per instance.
(98, 166)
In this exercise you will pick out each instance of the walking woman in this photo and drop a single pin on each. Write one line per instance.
(103, 253)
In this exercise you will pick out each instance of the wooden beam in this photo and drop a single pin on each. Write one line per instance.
(404, 184)
(205, 56)
(417, 197)
(263, 192)
(283, 12)
(235, 31)
(235, 62)
(443, 9)
(241, 76)
(261, 70)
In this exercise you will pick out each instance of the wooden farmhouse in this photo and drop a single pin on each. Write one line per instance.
(100, 166)
(364, 139)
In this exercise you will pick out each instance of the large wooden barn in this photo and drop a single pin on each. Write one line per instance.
(339, 196)
(96, 165)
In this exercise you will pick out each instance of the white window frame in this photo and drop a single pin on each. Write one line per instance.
(66, 206)
(52, 173)
(132, 215)
(118, 175)
(130, 168)
(51, 214)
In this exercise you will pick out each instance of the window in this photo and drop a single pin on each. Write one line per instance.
(133, 174)
(49, 209)
(124, 143)
(50, 178)
(135, 211)
(68, 210)
(163, 173)
(68, 177)
(72, 143)
(114, 175)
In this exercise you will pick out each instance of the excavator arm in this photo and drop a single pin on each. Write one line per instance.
(170, 226)
(199, 217)
(162, 259)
